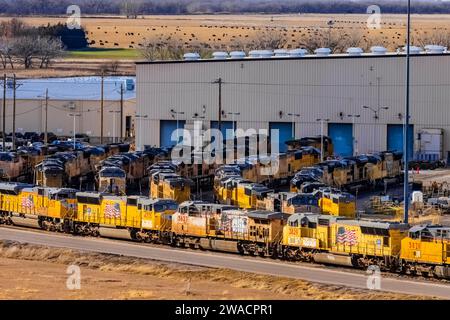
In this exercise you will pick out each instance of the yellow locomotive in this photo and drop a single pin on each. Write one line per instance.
(336, 203)
(45, 208)
(131, 217)
(316, 237)
(223, 228)
(168, 185)
(426, 251)
(353, 172)
(241, 193)
(335, 240)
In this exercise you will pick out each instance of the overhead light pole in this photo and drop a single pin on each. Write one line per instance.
(233, 114)
(376, 116)
(177, 116)
(293, 115)
(406, 122)
(354, 141)
(46, 97)
(140, 117)
(322, 122)
(74, 115)
(114, 123)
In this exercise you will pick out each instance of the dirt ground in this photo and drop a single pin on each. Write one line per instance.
(33, 272)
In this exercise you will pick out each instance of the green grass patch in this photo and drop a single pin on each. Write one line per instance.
(99, 53)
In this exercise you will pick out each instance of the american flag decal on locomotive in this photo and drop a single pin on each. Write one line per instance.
(346, 236)
(27, 202)
(112, 211)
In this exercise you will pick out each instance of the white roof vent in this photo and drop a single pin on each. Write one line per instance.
(322, 51)
(434, 49)
(413, 49)
(281, 53)
(298, 52)
(220, 55)
(254, 54)
(237, 54)
(260, 54)
(378, 50)
(191, 56)
(355, 51)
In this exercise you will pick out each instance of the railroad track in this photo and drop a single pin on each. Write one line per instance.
(305, 271)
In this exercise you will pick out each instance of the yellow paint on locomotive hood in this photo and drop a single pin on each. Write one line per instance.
(426, 244)
(343, 235)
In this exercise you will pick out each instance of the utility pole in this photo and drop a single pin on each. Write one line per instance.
(14, 112)
(322, 121)
(46, 118)
(4, 113)
(102, 105)
(121, 112)
(220, 82)
(406, 126)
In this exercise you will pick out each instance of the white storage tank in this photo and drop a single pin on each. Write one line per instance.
(322, 51)
(378, 50)
(431, 48)
(220, 55)
(297, 52)
(355, 51)
(237, 54)
(191, 56)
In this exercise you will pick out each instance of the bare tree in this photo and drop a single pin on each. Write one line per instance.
(154, 49)
(272, 39)
(437, 37)
(6, 53)
(338, 40)
(47, 49)
(24, 49)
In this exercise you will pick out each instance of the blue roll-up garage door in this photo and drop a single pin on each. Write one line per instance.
(342, 137)
(284, 133)
(225, 125)
(166, 127)
(395, 138)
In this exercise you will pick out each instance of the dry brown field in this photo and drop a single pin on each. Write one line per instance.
(225, 31)
(34, 272)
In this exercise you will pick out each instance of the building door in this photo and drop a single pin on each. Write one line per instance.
(128, 126)
(166, 128)
(395, 138)
(225, 125)
(342, 136)
(284, 133)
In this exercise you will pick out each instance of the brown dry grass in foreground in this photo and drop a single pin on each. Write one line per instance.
(34, 272)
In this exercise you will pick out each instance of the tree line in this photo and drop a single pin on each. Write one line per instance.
(21, 44)
(141, 7)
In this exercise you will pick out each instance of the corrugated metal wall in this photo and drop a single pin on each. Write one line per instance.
(266, 91)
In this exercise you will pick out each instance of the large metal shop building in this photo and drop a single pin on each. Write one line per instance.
(359, 95)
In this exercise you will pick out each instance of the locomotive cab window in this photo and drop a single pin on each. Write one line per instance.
(132, 201)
